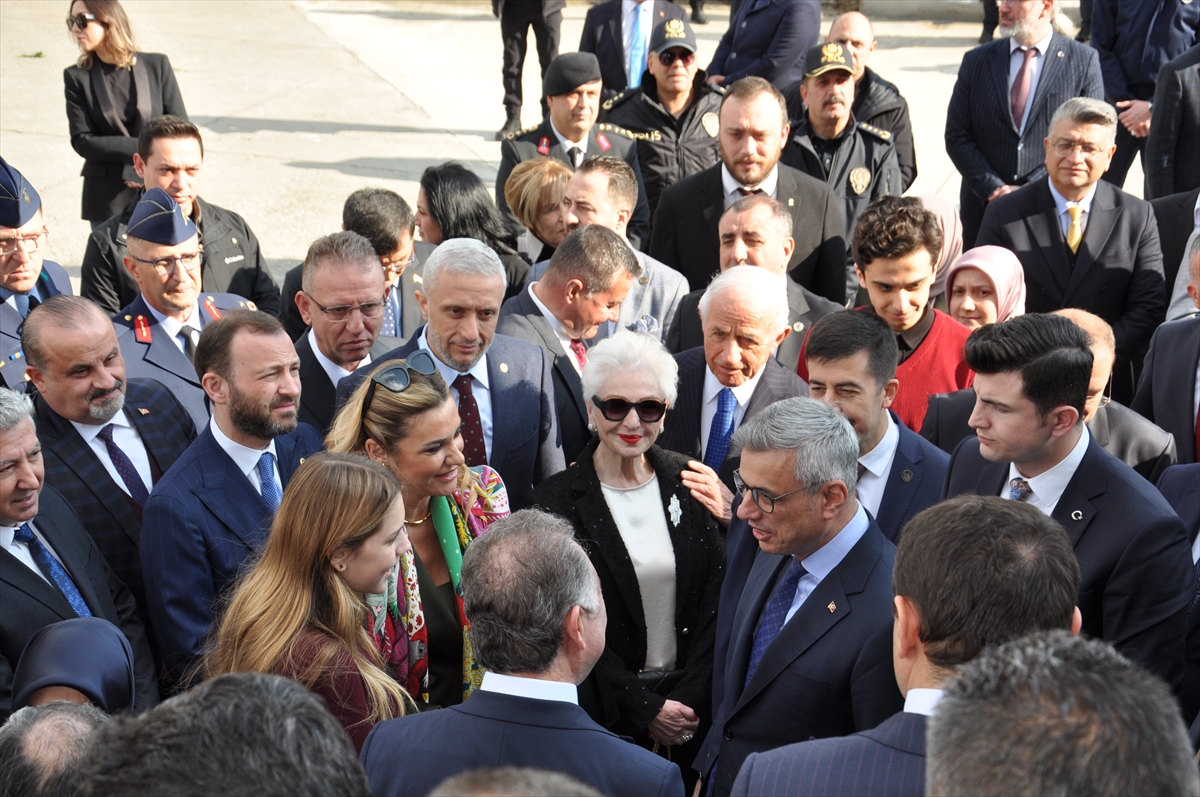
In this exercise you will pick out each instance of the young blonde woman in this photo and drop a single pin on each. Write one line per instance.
(316, 607)
(112, 92)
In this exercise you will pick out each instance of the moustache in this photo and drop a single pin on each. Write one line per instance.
(95, 394)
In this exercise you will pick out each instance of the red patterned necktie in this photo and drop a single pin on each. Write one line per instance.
(474, 448)
(1020, 87)
(580, 352)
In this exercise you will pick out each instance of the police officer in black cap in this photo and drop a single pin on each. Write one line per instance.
(570, 134)
(26, 277)
(159, 330)
(856, 159)
(673, 116)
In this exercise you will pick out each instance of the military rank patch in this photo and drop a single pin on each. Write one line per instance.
(860, 178)
(602, 140)
(711, 124)
(544, 145)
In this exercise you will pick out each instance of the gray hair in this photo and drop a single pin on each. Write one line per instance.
(505, 781)
(779, 214)
(631, 352)
(594, 255)
(14, 408)
(760, 291)
(62, 311)
(824, 442)
(342, 250)
(1052, 713)
(1086, 111)
(1191, 259)
(519, 582)
(462, 256)
(40, 747)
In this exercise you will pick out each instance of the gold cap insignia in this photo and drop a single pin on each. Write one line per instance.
(860, 178)
(711, 124)
(673, 29)
(832, 54)
(25, 195)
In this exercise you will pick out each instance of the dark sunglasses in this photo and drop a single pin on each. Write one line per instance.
(667, 57)
(615, 409)
(81, 21)
(396, 377)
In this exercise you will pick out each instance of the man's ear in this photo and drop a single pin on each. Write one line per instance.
(906, 636)
(214, 387)
(303, 304)
(423, 303)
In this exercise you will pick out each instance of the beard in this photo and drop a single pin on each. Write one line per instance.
(762, 166)
(107, 411)
(446, 356)
(1021, 30)
(254, 420)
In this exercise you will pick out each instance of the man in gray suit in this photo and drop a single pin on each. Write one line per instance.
(1000, 110)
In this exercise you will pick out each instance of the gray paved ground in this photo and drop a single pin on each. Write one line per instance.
(303, 101)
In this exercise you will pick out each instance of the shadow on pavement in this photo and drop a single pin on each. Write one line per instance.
(396, 168)
(410, 15)
(235, 124)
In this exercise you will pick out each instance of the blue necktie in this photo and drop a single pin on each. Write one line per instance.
(774, 615)
(52, 568)
(25, 302)
(721, 431)
(126, 470)
(266, 473)
(391, 315)
(637, 50)
(1019, 490)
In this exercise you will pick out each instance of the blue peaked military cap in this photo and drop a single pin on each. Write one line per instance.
(159, 220)
(18, 199)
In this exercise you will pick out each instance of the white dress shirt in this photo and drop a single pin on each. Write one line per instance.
(534, 688)
(480, 389)
(708, 408)
(21, 551)
(174, 325)
(729, 183)
(1061, 203)
(821, 562)
(127, 439)
(567, 143)
(1016, 58)
(922, 701)
(878, 464)
(630, 9)
(564, 337)
(1048, 487)
(335, 372)
(246, 459)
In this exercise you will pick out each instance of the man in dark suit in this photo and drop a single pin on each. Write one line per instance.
(755, 231)
(810, 650)
(1001, 106)
(26, 278)
(753, 130)
(604, 36)
(852, 361)
(212, 510)
(50, 569)
(588, 278)
(1134, 556)
(1082, 241)
(1171, 158)
(105, 441)
(169, 157)
(159, 329)
(504, 387)
(570, 133)
(516, 17)
(386, 220)
(526, 713)
(956, 563)
(767, 39)
(1180, 486)
(342, 304)
(1177, 216)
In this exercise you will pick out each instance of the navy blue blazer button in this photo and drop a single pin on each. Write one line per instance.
(728, 735)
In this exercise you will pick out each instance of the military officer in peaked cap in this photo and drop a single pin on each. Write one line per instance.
(857, 160)
(674, 114)
(570, 134)
(26, 277)
(158, 330)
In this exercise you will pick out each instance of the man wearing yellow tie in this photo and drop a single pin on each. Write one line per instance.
(1084, 242)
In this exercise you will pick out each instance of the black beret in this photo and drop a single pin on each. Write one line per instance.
(568, 72)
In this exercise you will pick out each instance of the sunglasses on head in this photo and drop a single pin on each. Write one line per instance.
(80, 21)
(615, 409)
(397, 376)
(667, 57)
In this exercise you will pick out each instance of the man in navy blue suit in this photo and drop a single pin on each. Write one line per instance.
(212, 510)
(526, 712)
(958, 563)
(26, 278)
(767, 39)
(810, 648)
(512, 421)
(1031, 445)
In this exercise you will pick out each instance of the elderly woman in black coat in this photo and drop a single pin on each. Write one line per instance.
(656, 549)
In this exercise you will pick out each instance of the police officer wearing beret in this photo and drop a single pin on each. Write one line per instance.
(159, 330)
(857, 160)
(26, 278)
(674, 114)
(570, 134)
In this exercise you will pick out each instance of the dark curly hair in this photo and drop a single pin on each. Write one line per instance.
(894, 226)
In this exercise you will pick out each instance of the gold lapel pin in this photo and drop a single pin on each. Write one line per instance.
(832, 607)
(504, 368)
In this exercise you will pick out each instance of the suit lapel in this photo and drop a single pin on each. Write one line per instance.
(1074, 510)
(903, 481)
(141, 82)
(998, 68)
(104, 100)
(686, 416)
(77, 455)
(16, 574)
(1051, 66)
(1099, 228)
(1046, 233)
(319, 396)
(563, 365)
(499, 384)
(229, 495)
(711, 199)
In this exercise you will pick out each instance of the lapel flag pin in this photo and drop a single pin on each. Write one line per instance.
(143, 410)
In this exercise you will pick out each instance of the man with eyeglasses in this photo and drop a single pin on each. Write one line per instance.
(158, 331)
(342, 302)
(26, 278)
(1082, 241)
(673, 114)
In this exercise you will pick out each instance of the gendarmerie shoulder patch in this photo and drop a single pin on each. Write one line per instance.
(878, 132)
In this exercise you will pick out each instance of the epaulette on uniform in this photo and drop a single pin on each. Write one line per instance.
(878, 132)
(527, 130)
(617, 100)
(605, 127)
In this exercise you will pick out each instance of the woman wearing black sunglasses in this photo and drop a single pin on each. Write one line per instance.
(112, 92)
(404, 418)
(655, 548)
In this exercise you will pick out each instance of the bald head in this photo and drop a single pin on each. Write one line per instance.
(854, 30)
(1103, 344)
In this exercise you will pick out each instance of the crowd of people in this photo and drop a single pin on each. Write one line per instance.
(694, 458)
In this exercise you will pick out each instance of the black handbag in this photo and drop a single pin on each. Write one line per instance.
(661, 682)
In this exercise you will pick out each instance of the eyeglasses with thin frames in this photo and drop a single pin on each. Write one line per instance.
(30, 243)
(762, 499)
(165, 266)
(340, 314)
(81, 21)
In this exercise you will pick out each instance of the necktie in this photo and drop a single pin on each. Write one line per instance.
(637, 49)
(751, 191)
(266, 473)
(1020, 87)
(25, 302)
(721, 430)
(1198, 433)
(1019, 490)
(1074, 229)
(580, 352)
(391, 327)
(189, 341)
(472, 424)
(774, 614)
(574, 154)
(53, 570)
(126, 470)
